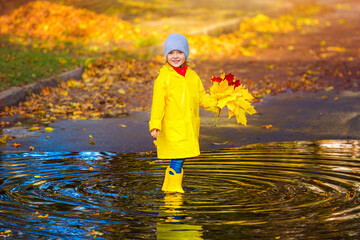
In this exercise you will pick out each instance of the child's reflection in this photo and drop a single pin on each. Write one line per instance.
(174, 226)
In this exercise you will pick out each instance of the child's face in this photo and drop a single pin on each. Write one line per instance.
(176, 58)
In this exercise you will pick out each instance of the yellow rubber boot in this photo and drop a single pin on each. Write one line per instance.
(173, 183)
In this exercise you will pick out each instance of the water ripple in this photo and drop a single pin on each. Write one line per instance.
(287, 190)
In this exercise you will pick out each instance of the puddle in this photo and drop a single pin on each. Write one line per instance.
(287, 190)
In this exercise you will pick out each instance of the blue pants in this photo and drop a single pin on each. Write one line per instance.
(177, 165)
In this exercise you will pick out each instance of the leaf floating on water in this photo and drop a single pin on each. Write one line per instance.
(38, 176)
(5, 233)
(92, 142)
(122, 125)
(31, 148)
(91, 169)
(94, 232)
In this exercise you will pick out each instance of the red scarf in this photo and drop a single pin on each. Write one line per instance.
(181, 70)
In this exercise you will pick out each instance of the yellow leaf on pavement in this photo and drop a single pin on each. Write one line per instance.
(34, 129)
(3, 139)
(49, 129)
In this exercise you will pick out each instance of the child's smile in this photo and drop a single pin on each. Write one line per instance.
(176, 58)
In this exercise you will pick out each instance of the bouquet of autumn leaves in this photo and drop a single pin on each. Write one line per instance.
(230, 93)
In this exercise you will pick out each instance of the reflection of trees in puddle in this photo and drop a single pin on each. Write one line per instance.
(174, 227)
(338, 148)
(329, 148)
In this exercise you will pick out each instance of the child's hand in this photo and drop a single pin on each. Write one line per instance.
(155, 133)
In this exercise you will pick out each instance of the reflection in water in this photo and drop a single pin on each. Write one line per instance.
(289, 190)
(174, 228)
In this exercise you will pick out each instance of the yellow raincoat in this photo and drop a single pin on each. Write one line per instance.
(175, 112)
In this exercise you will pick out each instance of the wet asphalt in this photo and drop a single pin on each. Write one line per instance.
(300, 116)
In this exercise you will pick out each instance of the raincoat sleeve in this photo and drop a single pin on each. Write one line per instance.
(158, 103)
(206, 101)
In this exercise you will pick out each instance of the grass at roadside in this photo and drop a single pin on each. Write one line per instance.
(22, 65)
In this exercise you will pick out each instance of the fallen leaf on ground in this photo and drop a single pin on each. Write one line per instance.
(49, 129)
(217, 144)
(34, 129)
(3, 139)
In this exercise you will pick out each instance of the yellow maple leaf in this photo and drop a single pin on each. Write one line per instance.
(220, 90)
(226, 100)
(242, 103)
(240, 117)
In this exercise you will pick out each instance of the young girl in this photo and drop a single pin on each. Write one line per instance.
(175, 122)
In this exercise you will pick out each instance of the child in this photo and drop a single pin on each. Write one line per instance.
(175, 122)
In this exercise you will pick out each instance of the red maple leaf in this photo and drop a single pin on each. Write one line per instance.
(229, 77)
(216, 79)
(236, 83)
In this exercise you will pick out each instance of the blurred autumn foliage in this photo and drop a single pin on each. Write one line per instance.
(43, 24)
(255, 32)
(54, 24)
(113, 85)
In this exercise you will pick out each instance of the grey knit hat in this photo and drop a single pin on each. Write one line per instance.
(176, 41)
